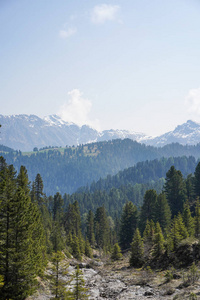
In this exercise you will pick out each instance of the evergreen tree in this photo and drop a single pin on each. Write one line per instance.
(148, 210)
(175, 190)
(174, 236)
(88, 249)
(181, 227)
(79, 290)
(38, 189)
(188, 219)
(90, 228)
(137, 250)
(59, 269)
(147, 232)
(158, 241)
(58, 208)
(190, 188)
(128, 224)
(20, 258)
(197, 180)
(102, 229)
(163, 213)
(75, 245)
(116, 252)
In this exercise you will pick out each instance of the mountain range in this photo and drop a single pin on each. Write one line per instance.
(24, 132)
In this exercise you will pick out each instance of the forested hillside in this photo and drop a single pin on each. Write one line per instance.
(164, 231)
(66, 169)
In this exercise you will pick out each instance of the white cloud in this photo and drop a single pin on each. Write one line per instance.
(192, 101)
(77, 110)
(104, 12)
(64, 34)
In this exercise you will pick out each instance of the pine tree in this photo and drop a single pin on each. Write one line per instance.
(181, 227)
(88, 249)
(38, 189)
(128, 224)
(147, 232)
(163, 213)
(102, 230)
(148, 210)
(188, 219)
(90, 228)
(19, 265)
(175, 190)
(116, 252)
(174, 236)
(75, 245)
(79, 290)
(59, 269)
(158, 241)
(137, 250)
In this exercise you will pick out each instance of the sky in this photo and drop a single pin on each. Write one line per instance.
(124, 64)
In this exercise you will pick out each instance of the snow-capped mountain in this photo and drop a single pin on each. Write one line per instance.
(185, 134)
(24, 132)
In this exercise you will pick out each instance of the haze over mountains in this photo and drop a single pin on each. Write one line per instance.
(24, 132)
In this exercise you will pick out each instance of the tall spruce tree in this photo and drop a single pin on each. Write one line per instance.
(137, 250)
(90, 228)
(102, 230)
(148, 210)
(175, 190)
(128, 224)
(158, 241)
(59, 270)
(20, 260)
(80, 292)
(188, 219)
(163, 213)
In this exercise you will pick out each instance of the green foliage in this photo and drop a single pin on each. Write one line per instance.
(148, 210)
(76, 167)
(22, 244)
(75, 245)
(197, 180)
(192, 296)
(90, 228)
(158, 241)
(116, 252)
(58, 270)
(137, 250)
(169, 276)
(79, 291)
(163, 213)
(197, 219)
(88, 249)
(128, 224)
(102, 230)
(175, 190)
(188, 219)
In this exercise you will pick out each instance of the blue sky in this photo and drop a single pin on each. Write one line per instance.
(131, 64)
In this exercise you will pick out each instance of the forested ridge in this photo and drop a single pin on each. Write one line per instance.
(35, 228)
(67, 169)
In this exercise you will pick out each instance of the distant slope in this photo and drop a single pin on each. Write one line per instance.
(65, 170)
(144, 172)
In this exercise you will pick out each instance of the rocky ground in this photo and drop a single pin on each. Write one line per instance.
(116, 280)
